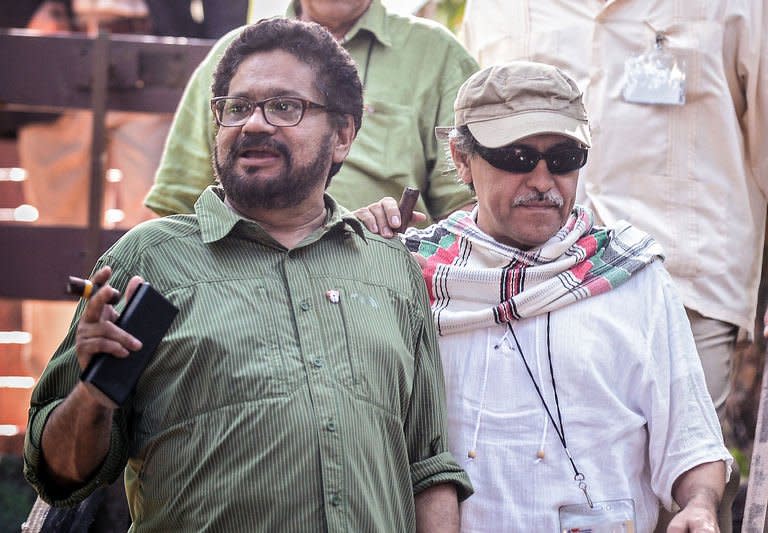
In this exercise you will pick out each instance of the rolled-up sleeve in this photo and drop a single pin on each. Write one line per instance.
(59, 378)
(425, 428)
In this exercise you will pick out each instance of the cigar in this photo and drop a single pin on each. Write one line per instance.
(407, 203)
(85, 288)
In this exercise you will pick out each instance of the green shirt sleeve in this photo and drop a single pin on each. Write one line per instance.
(59, 378)
(425, 427)
(445, 193)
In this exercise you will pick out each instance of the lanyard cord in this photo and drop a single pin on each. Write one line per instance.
(368, 59)
(559, 429)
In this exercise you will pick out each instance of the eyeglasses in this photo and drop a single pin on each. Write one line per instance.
(283, 111)
(521, 159)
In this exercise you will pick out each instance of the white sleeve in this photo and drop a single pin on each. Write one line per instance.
(683, 429)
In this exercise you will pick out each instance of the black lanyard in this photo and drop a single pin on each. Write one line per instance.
(371, 41)
(559, 428)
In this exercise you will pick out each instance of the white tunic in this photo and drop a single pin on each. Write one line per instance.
(632, 397)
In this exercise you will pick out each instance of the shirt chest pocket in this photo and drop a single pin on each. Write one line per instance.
(388, 146)
(366, 336)
(697, 44)
(233, 342)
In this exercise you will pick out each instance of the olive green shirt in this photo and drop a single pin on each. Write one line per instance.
(296, 390)
(411, 69)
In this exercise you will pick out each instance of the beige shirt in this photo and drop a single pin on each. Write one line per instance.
(695, 176)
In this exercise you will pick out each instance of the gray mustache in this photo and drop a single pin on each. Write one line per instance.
(550, 197)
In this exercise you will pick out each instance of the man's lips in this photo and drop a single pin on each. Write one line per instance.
(253, 156)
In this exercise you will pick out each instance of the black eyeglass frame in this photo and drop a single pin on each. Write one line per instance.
(305, 105)
(507, 158)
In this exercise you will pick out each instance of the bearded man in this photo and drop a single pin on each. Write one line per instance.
(270, 405)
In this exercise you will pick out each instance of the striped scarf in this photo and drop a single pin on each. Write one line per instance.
(474, 281)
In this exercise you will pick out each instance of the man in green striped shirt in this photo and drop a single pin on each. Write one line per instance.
(300, 386)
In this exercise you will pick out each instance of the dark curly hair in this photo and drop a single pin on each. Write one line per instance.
(335, 72)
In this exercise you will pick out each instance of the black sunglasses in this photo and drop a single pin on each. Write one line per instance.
(520, 159)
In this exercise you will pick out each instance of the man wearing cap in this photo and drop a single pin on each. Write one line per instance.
(575, 393)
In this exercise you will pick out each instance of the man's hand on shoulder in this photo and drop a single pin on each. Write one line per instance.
(383, 217)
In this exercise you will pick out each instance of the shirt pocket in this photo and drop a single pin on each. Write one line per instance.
(388, 147)
(381, 340)
(698, 44)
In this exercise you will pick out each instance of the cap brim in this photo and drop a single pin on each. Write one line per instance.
(441, 132)
(506, 130)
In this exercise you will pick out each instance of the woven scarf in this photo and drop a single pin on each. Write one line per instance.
(474, 281)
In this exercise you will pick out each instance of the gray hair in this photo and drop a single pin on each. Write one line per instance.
(464, 142)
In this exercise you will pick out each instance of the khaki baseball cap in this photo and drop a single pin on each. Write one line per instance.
(501, 104)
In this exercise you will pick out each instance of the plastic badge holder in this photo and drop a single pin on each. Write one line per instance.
(655, 77)
(147, 316)
(614, 516)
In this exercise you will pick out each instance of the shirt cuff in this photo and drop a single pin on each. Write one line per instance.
(440, 468)
(107, 473)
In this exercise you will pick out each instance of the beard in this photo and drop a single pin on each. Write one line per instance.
(289, 189)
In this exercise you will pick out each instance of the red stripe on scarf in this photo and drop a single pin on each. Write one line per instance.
(443, 256)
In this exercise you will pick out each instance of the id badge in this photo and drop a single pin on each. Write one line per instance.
(614, 516)
(655, 77)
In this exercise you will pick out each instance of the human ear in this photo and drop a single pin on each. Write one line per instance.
(345, 134)
(461, 160)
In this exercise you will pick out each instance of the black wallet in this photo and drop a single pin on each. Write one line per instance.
(147, 316)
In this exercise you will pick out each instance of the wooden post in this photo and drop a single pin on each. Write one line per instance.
(99, 81)
(757, 488)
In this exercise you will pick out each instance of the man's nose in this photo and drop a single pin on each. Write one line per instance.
(257, 123)
(540, 178)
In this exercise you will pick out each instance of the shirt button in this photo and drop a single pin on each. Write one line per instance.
(335, 500)
(317, 362)
(305, 305)
(330, 426)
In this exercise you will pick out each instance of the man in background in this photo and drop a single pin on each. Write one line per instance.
(410, 69)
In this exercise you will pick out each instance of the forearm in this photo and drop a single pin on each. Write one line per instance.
(704, 483)
(437, 509)
(76, 438)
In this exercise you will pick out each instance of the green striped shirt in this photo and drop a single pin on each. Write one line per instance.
(297, 390)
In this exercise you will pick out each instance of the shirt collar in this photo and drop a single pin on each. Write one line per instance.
(217, 220)
(373, 21)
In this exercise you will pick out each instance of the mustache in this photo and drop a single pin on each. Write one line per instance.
(550, 197)
(260, 141)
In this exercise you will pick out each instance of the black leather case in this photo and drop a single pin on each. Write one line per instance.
(147, 316)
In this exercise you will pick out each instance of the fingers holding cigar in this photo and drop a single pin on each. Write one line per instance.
(96, 330)
(405, 207)
(387, 216)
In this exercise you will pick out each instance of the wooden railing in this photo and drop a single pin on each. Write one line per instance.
(52, 73)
